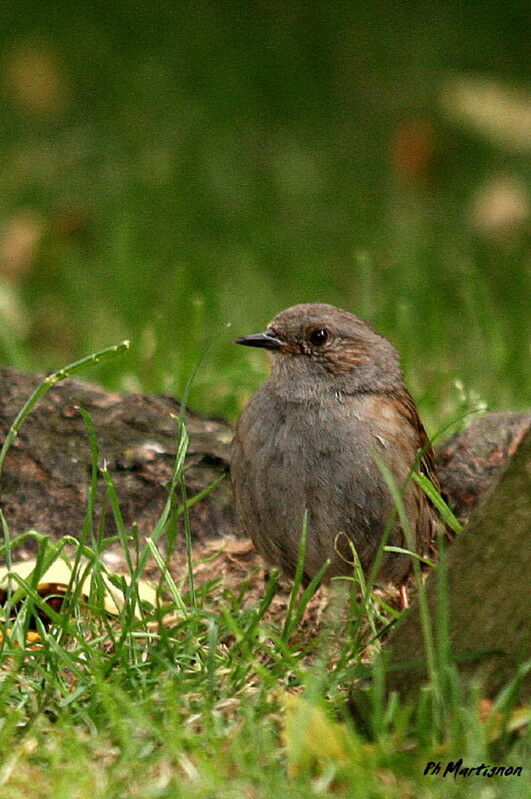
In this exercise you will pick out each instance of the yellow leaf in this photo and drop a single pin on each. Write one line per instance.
(311, 738)
(33, 638)
(57, 577)
(498, 724)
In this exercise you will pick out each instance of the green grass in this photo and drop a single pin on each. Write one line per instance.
(197, 703)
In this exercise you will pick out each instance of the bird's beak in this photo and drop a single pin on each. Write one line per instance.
(265, 339)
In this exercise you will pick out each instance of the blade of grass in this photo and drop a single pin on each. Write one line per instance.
(359, 578)
(433, 495)
(168, 579)
(425, 619)
(297, 580)
(307, 594)
(117, 513)
(88, 523)
(163, 518)
(49, 382)
(188, 539)
(402, 551)
(75, 586)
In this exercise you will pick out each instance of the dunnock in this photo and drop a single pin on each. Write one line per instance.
(306, 441)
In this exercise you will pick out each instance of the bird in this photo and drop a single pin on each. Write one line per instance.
(308, 448)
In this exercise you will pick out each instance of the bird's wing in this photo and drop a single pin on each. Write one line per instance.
(407, 408)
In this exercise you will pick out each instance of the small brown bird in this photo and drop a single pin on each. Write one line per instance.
(306, 442)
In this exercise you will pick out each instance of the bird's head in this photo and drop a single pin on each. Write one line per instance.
(328, 346)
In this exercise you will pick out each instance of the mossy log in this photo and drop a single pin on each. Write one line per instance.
(488, 581)
(46, 475)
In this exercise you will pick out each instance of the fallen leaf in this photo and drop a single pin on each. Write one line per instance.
(56, 579)
(312, 738)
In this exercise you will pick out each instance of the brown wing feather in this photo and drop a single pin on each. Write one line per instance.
(407, 408)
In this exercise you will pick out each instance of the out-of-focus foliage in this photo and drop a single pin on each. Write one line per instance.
(167, 168)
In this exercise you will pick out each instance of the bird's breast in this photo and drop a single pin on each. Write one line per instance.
(300, 446)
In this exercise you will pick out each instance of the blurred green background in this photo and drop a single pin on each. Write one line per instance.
(169, 168)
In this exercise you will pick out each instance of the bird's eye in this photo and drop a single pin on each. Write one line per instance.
(318, 337)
